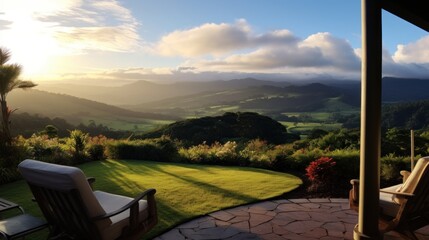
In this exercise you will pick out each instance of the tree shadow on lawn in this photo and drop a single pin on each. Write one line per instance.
(210, 187)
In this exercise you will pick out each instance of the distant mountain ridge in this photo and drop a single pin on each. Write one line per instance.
(142, 92)
(404, 90)
(145, 91)
(71, 108)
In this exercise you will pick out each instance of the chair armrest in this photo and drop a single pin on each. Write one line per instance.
(91, 181)
(133, 206)
(401, 194)
(354, 192)
(405, 174)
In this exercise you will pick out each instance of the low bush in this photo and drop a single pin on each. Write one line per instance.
(217, 153)
(9, 175)
(96, 148)
(390, 168)
(321, 174)
(159, 149)
(256, 152)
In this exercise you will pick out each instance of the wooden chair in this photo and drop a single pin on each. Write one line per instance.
(404, 208)
(73, 209)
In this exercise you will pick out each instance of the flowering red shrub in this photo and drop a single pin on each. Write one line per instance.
(321, 170)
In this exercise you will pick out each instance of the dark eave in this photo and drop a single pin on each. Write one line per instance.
(413, 11)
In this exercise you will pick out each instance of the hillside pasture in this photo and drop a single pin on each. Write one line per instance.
(137, 125)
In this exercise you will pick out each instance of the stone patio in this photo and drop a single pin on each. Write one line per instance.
(297, 219)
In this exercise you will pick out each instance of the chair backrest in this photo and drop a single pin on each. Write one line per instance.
(417, 184)
(64, 196)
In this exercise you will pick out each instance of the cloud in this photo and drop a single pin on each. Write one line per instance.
(235, 47)
(71, 26)
(335, 51)
(416, 52)
(319, 53)
(121, 38)
(217, 39)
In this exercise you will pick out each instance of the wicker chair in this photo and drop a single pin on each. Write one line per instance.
(73, 209)
(404, 208)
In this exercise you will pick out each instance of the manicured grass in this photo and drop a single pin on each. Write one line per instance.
(184, 191)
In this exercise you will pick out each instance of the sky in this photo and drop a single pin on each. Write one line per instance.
(114, 41)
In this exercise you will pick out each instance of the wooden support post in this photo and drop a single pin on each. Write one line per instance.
(367, 227)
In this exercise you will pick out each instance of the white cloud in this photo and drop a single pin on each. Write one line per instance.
(236, 48)
(69, 26)
(120, 38)
(209, 38)
(217, 39)
(336, 52)
(416, 52)
(318, 54)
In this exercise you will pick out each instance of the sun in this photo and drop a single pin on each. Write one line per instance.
(30, 46)
(32, 42)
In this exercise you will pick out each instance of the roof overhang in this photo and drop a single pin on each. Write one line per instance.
(413, 11)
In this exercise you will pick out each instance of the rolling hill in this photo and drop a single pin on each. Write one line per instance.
(242, 127)
(269, 100)
(76, 110)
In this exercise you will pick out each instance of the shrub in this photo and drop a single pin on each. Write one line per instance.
(8, 175)
(46, 149)
(217, 153)
(390, 168)
(303, 157)
(77, 141)
(281, 158)
(96, 152)
(158, 149)
(321, 172)
(96, 148)
(256, 151)
(347, 165)
(76, 144)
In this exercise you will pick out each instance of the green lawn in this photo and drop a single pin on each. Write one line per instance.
(184, 191)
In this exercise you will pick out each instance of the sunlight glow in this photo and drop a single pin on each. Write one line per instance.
(31, 41)
(44, 33)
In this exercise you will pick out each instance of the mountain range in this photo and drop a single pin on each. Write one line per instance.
(144, 91)
(143, 101)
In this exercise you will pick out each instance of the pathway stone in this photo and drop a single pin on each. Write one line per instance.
(291, 219)
(256, 219)
(222, 215)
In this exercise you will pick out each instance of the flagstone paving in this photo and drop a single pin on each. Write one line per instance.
(293, 219)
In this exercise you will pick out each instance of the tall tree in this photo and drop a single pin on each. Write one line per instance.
(9, 74)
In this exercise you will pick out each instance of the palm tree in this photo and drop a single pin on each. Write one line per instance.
(9, 74)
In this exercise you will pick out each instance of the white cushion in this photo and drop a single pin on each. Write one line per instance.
(387, 203)
(112, 202)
